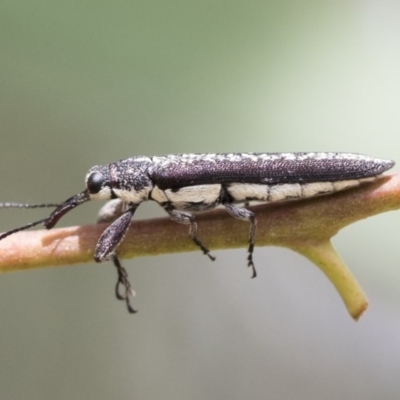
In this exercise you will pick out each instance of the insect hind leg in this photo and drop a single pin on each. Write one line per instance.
(189, 219)
(246, 215)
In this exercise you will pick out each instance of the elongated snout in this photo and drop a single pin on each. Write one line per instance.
(65, 207)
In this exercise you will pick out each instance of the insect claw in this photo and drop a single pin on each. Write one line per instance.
(212, 258)
(254, 272)
(250, 264)
(129, 307)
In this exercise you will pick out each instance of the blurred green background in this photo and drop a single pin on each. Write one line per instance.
(89, 82)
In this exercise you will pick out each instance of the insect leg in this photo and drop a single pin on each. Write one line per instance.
(113, 235)
(121, 214)
(124, 281)
(246, 215)
(189, 219)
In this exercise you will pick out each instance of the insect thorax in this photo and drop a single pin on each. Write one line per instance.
(130, 180)
(127, 180)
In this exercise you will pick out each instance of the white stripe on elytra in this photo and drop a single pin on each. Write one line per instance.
(207, 194)
(269, 193)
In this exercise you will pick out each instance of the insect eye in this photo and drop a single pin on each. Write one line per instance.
(95, 182)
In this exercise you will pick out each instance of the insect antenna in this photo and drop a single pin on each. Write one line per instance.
(52, 219)
(24, 205)
(21, 228)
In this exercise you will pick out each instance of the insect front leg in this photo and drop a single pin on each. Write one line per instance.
(189, 219)
(246, 215)
(120, 213)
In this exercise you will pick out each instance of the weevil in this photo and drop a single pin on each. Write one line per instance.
(187, 183)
